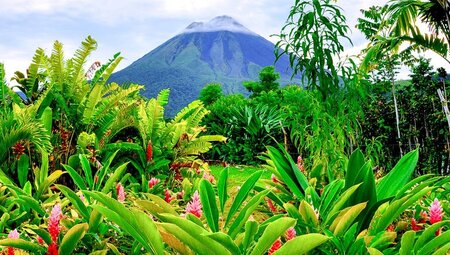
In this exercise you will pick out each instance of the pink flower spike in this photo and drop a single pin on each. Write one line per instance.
(275, 246)
(195, 206)
(53, 222)
(153, 182)
(120, 193)
(13, 234)
(435, 211)
(290, 234)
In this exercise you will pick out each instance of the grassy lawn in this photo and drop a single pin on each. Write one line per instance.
(237, 175)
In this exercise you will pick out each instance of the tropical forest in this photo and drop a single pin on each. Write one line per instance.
(319, 152)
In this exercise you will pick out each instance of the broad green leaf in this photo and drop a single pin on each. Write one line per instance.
(242, 194)
(428, 234)
(344, 220)
(114, 177)
(149, 231)
(435, 243)
(330, 195)
(22, 244)
(407, 243)
(23, 166)
(194, 231)
(77, 179)
(32, 203)
(373, 251)
(208, 199)
(101, 173)
(389, 185)
(226, 241)
(49, 181)
(355, 163)
(86, 166)
(72, 237)
(222, 189)
(302, 244)
(308, 214)
(340, 203)
(75, 200)
(272, 232)
(196, 244)
(251, 228)
(443, 250)
(245, 213)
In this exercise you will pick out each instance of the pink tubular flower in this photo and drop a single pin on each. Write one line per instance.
(195, 206)
(209, 177)
(435, 211)
(120, 193)
(275, 246)
(153, 182)
(13, 235)
(52, 249)
(290, 234)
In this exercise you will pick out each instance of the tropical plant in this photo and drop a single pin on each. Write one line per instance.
(312, 38)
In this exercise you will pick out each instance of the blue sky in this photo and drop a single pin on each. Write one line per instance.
(135, 27)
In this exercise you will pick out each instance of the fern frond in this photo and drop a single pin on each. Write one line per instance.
(80, 58)
(163, 97)
(33, 72)
(56, 67)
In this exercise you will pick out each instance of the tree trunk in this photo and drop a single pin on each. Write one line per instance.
(397, 118)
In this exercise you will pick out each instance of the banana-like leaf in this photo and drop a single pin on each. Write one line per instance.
(75, 200)
(87, 170)
(272, 232)
(346, 218)
(77, 179)
(208, 199)
(407, 243)
(243, 194)
(72, 237)
(222, 189)
(389, 185)
(24, 245)
(302, 244)
(245, 213)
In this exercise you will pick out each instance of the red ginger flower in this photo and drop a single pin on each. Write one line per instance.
(167, 196)
(153, 182)
(275, 246)
(13, 235)
(271, 206)
(53, 222)
(414, 225)
(52, 249)
(290, 234)
(149, 151)
(209, 177)
(423, 217)
(274, 178)
(300, 165)
(435, 211)
(195, 206)
(120, 193)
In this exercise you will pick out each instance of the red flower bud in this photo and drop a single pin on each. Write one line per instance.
(149, 151)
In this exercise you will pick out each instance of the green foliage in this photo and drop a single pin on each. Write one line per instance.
(311, 38)
(267, 82)
(210, 93)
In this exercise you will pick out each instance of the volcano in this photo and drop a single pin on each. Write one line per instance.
(221, 50)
